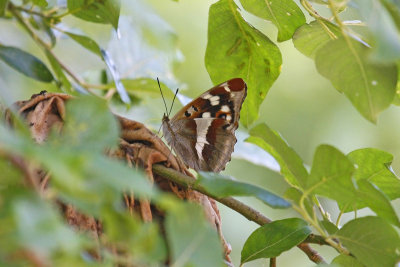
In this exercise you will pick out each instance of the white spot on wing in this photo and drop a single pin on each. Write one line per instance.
(207, 96)
(202, 126)
(225, 108)
(191, 110)
(226, 87)
(206, 115)
(228, 117)
(214, 100)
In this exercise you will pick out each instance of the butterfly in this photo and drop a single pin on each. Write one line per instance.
(202, 133)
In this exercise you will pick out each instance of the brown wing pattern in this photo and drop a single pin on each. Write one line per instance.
(230, 94)
(218, 152)
(203, 132)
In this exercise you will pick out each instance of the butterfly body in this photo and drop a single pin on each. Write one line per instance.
(203, 132)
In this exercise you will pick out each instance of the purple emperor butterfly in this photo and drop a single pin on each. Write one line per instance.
(202, 133)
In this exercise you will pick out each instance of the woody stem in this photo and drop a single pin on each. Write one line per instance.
(247, 211)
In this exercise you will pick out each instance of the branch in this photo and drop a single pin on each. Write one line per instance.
(321, 20)
(14, 10)
(33, 12)
(248, 212)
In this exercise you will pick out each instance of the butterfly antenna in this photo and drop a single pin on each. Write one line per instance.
(162, 95)
(159, 129)
(173, 100)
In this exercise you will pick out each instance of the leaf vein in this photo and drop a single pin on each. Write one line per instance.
(277, 242)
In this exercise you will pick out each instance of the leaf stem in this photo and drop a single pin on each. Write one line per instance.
(314, 221)
(69, 12)
(324, 213)
(321, 20)
(47, 48)
(33, 12)
(340, 216)
(272, 262)
(310, 9)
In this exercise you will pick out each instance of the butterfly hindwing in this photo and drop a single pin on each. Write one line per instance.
(217, 152)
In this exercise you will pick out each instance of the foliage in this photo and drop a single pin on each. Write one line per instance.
(220, 186)
(360, 63)
(270, 240)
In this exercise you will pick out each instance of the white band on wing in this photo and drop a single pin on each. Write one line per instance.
(202, 129)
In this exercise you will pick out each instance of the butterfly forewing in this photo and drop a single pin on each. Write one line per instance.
(222, 101)
(202, 132)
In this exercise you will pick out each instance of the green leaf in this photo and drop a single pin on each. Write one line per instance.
(81, 176)
(285, 14)
(309, 38)
(392, 6)
(91, 181)
(221, 186)
(295, 196)
(62, 79)
(371, 240)
(331, 175)
(99, 11)
(383, 29)
(378, 202)
(41, 3)
(25, 63)
(192, 240)
(396, 100)
(40, 229)
(8, 238)
(28, 223)
(271, 239)
(368, 195)
(142, 240)
(376, 183)
(346, 261)
(10, 174)
(3, 5)
(369, 86)
(374, 166)
(236, 49)
(338, 6)
(86, 42)
(89, 125)
(291, 164)
(330, 227)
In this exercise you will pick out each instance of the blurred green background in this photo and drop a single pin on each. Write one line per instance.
(301, 105)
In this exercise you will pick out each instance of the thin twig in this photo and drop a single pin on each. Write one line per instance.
(47, 48)
(309, 8)
(248, 212)
(33, 12)
(321, 20)
(272, 262)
